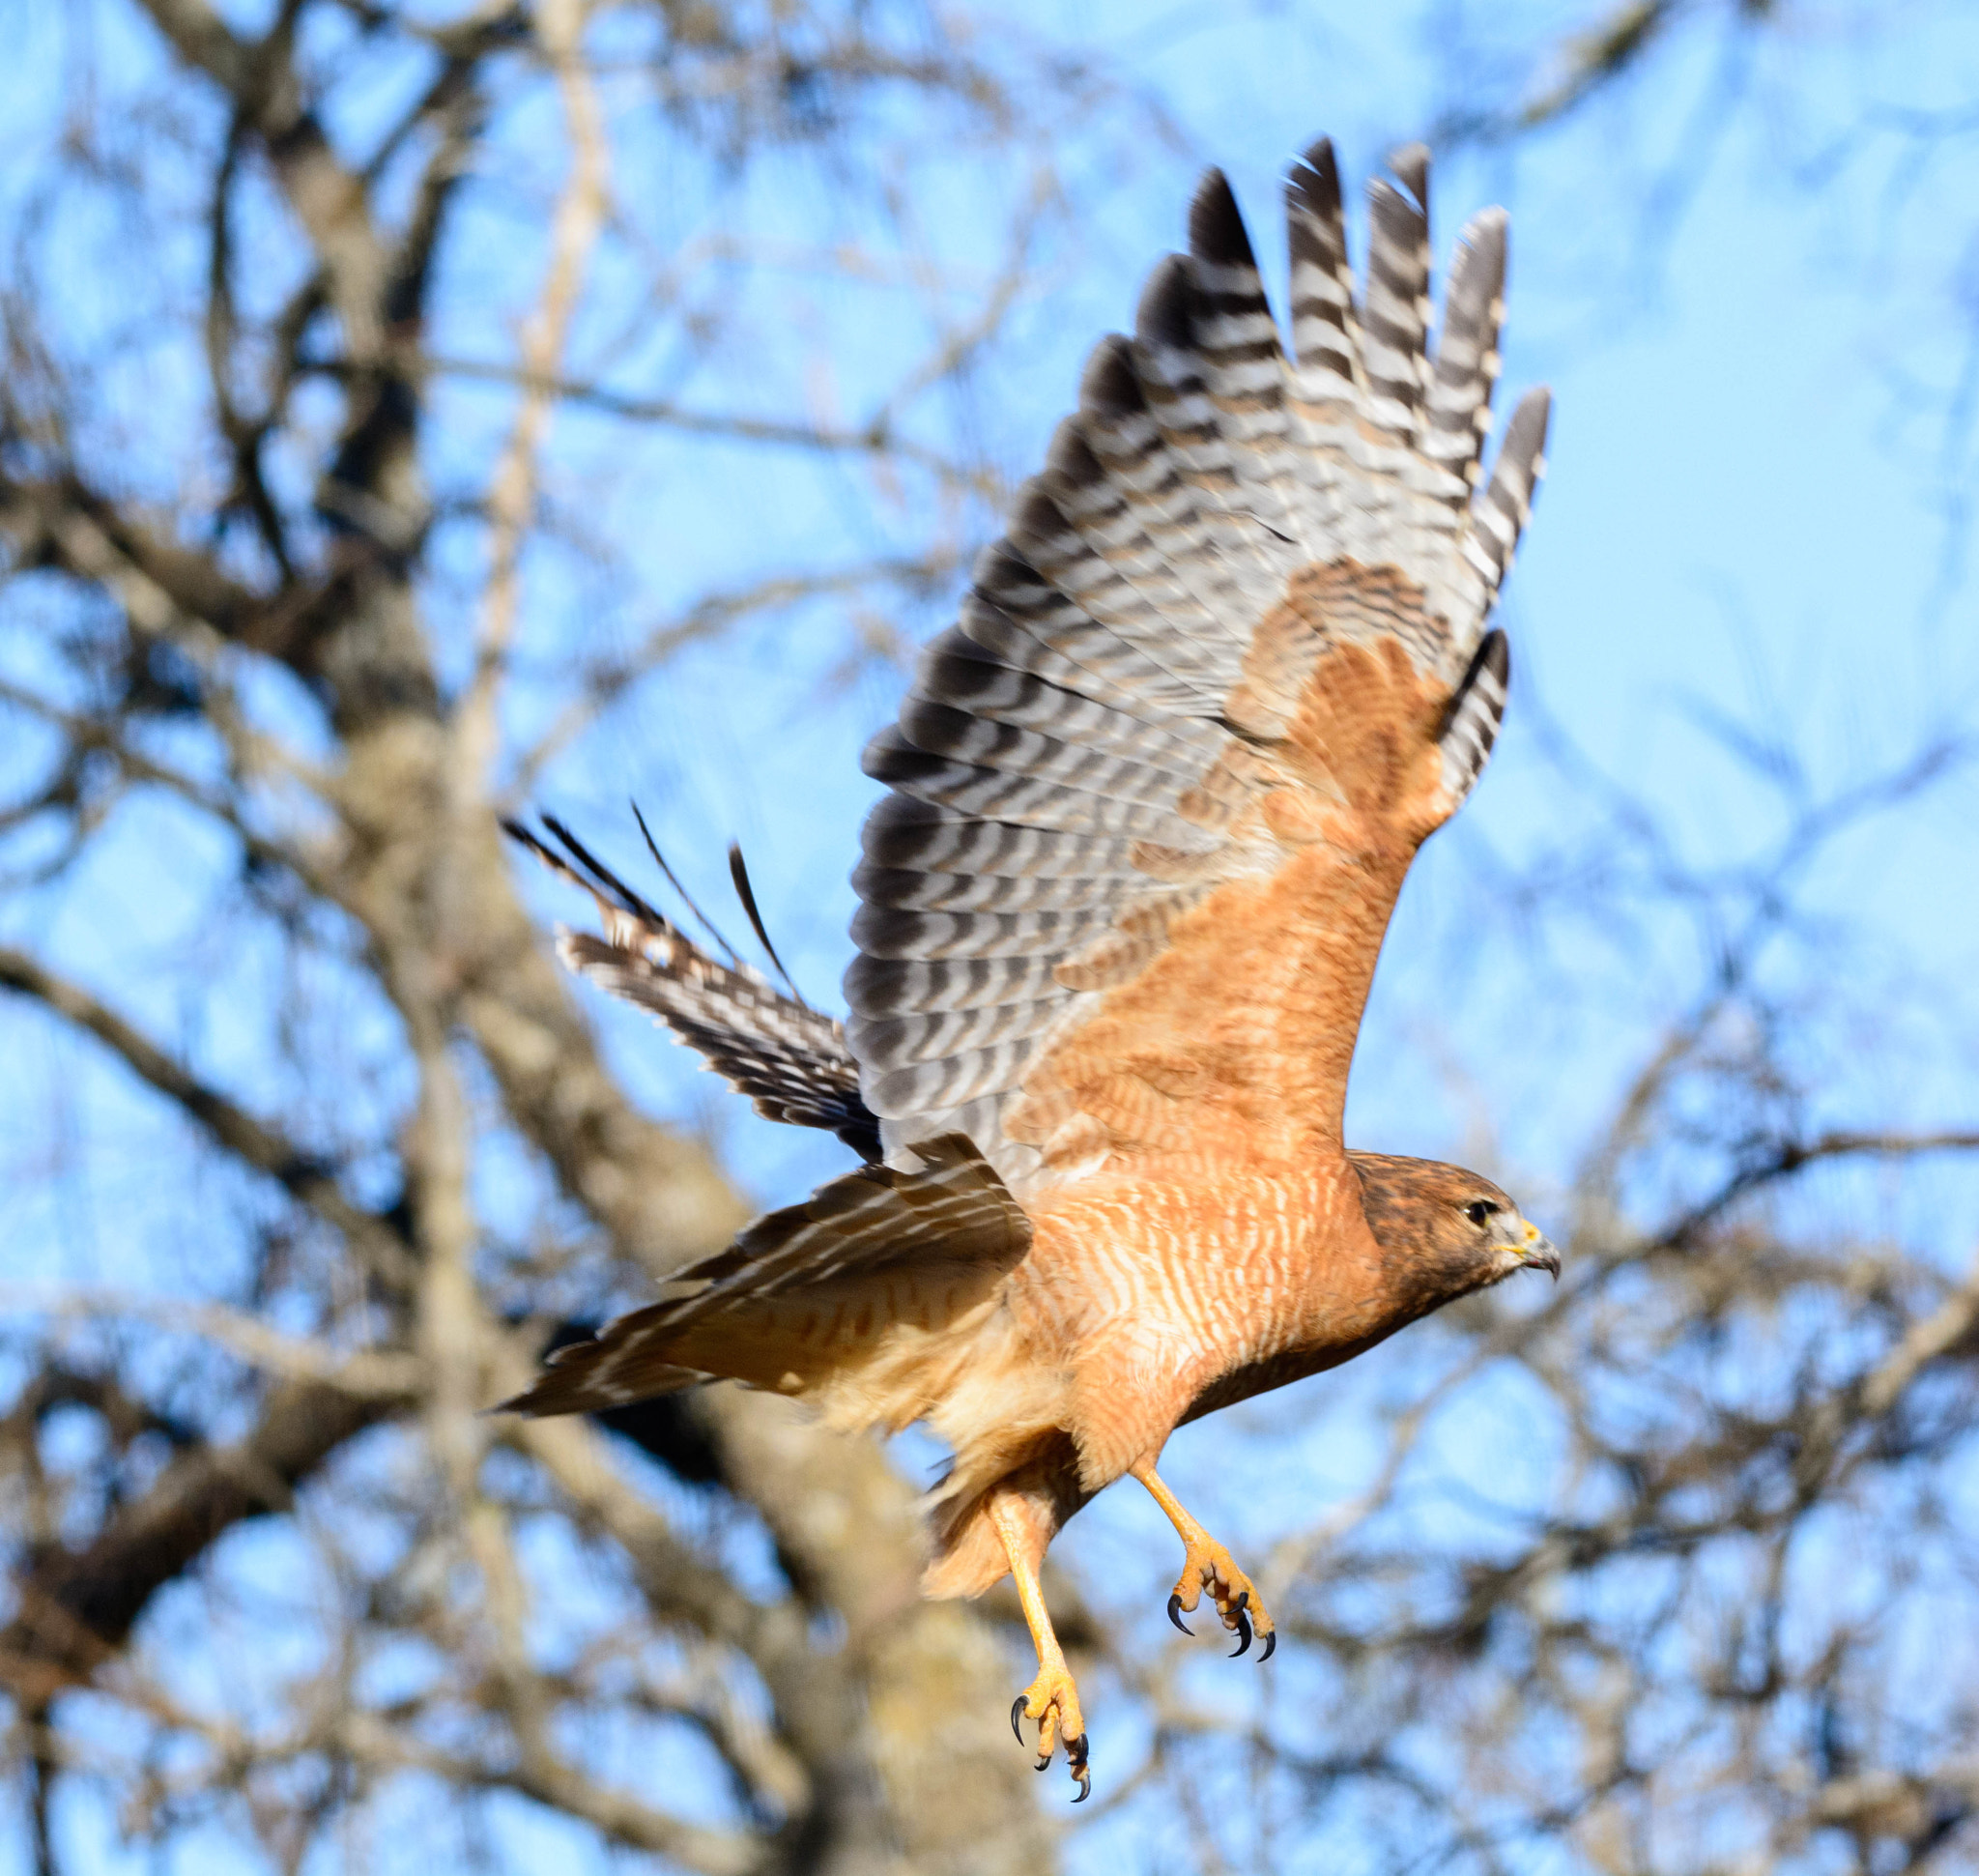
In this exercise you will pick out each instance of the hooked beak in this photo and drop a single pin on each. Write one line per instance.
(1536, 1253)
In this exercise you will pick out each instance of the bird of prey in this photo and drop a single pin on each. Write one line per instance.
(1149, 803)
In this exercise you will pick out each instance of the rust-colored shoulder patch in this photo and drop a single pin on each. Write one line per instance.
(1223, 1031)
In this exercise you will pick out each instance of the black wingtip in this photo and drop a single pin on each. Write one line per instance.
(1216, 225)
(686, 898)
(526, 837)
(1409, 165)
(739, 872)
(1109, 388)
(1167, 313)
(1316, 176)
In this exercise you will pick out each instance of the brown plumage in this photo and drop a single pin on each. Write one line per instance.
(1152, 801)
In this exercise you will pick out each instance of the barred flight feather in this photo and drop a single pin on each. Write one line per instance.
(1169, 357)
(1113, 797)
(1394, 323)
(887, 987)
(897, 1044)
(901, 829)
(945, 717)
(1111, 671)
(1123, 580)
(1325, 327)
(1467, 361)
(787, 1302)
(1127, 443)
(984, 891)
(1244, 363)
(883, 932)
(1010, 593)
(788, 1059)
(1508, 503)
(1475, 713)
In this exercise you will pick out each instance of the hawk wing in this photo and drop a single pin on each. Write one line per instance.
(808, 1288)
(1152, 797)
(788, 1059)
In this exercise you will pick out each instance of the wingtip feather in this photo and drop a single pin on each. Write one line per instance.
(1216, 224)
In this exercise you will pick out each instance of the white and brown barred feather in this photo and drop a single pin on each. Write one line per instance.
(1082, 757)
(837, 1297)
(788, 1059)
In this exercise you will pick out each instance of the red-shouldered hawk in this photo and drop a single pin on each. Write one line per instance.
(1151, 798)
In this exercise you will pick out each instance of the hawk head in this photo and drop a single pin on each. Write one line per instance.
(1446, 1231)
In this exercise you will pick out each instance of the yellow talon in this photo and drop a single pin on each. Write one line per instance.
(1207, 1566)
(1052, 1698)
(1052, 1701)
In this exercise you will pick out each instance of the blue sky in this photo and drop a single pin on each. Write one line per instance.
(1752, 510)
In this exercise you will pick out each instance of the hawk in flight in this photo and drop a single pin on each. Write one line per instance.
(1150, 802)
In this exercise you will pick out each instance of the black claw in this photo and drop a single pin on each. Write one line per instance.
(1271, 1641)
(1017, 1713)
(1086, 1789)
(1043, 1765)
(1243, 1632)
(1175, 1613)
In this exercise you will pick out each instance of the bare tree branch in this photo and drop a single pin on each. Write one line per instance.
(302, 1176)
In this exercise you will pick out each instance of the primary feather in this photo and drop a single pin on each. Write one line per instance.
(788, 1059)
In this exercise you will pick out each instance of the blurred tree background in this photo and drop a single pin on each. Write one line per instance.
(414, 414)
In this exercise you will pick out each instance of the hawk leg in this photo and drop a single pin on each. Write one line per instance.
(1051, 1699)
(1207, 1565)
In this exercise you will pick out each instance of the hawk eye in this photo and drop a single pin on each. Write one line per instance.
(1479, 1210)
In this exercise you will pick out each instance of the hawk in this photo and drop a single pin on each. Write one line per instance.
(1149, 803)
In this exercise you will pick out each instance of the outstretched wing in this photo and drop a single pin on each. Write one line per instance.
(1154, 795)
(788, 1059)
(877, 1254)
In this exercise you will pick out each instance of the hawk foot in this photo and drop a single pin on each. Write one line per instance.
(1052, 1701)
(1209, 1567)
